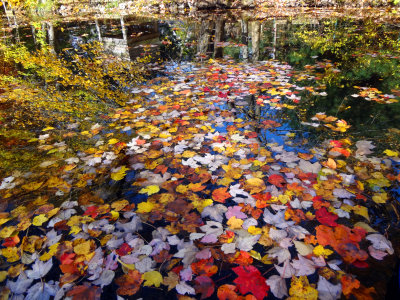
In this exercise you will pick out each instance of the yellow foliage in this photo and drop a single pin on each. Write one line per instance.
(301, 289)
(145, 207)
(235, 223)
(39, 220)
(120, 174)
(321, 251)
(152, 278)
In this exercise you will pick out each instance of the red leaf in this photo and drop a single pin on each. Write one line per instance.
(92, 211)
(276, 180)
(124, 249)
(204, 286)
(11, 241)
(360, 264)
(250, 280)
(325, 217)
(251, 134)
(67, 258)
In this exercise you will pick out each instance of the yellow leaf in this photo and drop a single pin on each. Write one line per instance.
(365, 226)
(145, 207)
(39, 220)
(391, 153)
(32, 186)
(380, 198)
(255, 185)
(120, 174)
(118, 205)
(52, 251)
(11, 254)
(188, 154)
(321, 251)
(2, 221)
(152, 278)
(255, 254)
(82, 248)
(75, 229)
(361, 210)
(112, 141)
(300, 289)
(254, 230)
(235, 223)
(182, 188)
(52, 212)
(166, 198)
(150, 190)
(7, 232)
(48, 128)
(69, 167)
(55, 182)
(164, 135)
(202, 203)
(114, 215)
(3, 275)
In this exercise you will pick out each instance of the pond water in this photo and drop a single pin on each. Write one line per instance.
(221, 151)
(352, 63)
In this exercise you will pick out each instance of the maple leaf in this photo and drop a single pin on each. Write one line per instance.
(85, 292)
(221, 194)
(349, 284)
(255, 185)
(250, 280)
(152, 278)
(204, 267)
(276, 180)
(204, 286)
(227, 292)
(171, 280)
(325, 217)
(129, 284)
(39, 269)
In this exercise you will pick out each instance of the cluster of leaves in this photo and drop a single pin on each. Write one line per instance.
(202, 208)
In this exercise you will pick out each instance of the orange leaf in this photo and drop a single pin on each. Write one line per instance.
(348, 284)
(276, 180)
(221, 194)
(227, 292)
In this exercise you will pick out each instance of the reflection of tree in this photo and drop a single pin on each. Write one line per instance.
(219, 36)
(98, 29)
(255, 27)
(50, 32)
(245, 39)
(206, 28)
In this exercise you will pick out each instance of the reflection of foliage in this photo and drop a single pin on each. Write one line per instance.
(359, 54)
(50, 90)
(34, 8)
(92, 72)
(176, 41)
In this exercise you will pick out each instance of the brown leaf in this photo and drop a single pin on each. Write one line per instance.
(84, 292)
(129, 284)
